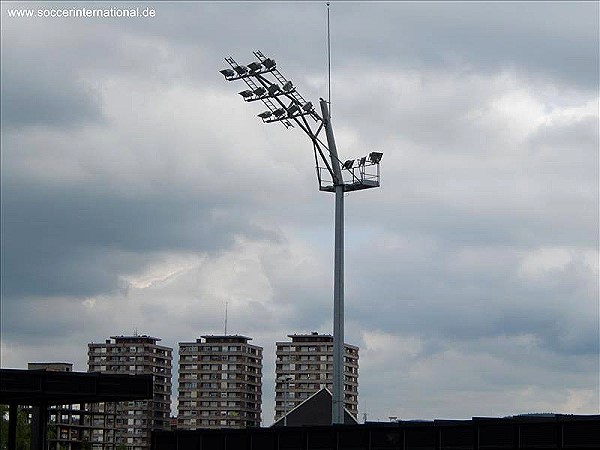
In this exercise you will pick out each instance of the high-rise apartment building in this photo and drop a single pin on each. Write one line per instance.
(305, 365)
(134, 421)
(220, 383)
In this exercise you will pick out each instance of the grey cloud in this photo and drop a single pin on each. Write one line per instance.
(45, 99)
(60, 242)
(40, 86)
(419, 291)
(486, 36)
(28, 324)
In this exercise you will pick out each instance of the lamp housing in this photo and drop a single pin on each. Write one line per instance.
(375, 157)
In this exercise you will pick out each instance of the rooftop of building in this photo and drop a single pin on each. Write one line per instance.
(137, 338)
(51, 366)
(227, 338)
(311, 337)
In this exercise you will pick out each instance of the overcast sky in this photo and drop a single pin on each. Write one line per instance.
(139, 192)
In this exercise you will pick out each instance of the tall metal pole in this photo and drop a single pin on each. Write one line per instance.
(285, 396)
(337, 413)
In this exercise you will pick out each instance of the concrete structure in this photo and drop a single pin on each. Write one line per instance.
(41, 389)
(69, 425)
(220, 383)
(307, 361)
(134, 420)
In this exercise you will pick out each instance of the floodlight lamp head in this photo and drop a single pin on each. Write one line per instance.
(362, 161)
(269, 63)
(260, 91)
(246, 94)
(292, 109)
(254, 66)
(375, 157)
(348, 164)
(265, 115)
(273, 89)
(227, 73)
(241, 69)
(287, 86)
(307, 106)
(279, 112)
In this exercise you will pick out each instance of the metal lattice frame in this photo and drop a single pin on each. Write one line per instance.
(268, 85)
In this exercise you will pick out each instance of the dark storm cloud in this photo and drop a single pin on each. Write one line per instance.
(28, 322)
(40, 83)
(555, 40)
(43, 94)
(61, 241)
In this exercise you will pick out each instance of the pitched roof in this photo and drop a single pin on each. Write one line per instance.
(315, 410)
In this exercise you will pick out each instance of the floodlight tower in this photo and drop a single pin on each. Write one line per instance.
(285, 104)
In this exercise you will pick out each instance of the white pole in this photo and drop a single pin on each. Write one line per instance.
(285, 386)
(337, 413)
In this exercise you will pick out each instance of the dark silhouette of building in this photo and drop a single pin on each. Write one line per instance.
(73, 426)
(41, 389)
(556, 432)
(315, 410)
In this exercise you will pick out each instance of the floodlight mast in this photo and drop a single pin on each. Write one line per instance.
(337, 413)
(329, 173)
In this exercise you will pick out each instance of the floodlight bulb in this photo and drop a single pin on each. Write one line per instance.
(259, 91)
(228, 73)
(254, 66)
(288, 86)
(293, 108)
(273, 89)
(246, 94)
(307, 106)
(375, 157)
(279, 112)
(265, 115)
(241, 69)
(269, 63)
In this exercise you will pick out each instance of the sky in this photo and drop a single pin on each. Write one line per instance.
(141, 194)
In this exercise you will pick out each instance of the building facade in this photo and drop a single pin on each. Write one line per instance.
(130, 424)
(220, 383)
(304, 365)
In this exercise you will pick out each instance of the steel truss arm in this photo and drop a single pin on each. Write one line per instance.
(256, 79)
